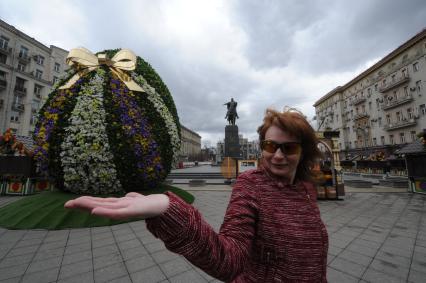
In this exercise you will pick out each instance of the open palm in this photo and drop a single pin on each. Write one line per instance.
(130, 206)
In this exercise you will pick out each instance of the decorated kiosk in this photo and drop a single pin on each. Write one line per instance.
(331, 185)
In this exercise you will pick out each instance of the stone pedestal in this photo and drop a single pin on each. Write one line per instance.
(232, 141)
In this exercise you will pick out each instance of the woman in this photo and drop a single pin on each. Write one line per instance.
(272, 231)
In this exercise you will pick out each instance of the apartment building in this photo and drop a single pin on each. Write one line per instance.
(28, 70)
(190, 144)
(384, 107)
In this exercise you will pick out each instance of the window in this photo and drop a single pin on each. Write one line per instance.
(380, 121)
(37, 90)
(413, 135)
(416, 67)
(369, 105)
(374, 141)
(40, 60)
(4, 42)
(363, 109)
(406, 91)
(384, 83)
(422, 109)
(38, 74)
(382, 140)
(404, 73)
(14, 118)
(393, 78)
(409, 113)
(55, 79)
(419, 86)
(369, 91)
(376, 86)
(3, 58)
(401, 138)
(23, 53)
(398, 116)
(57, 67)
(21, 67)
(388, 119)
(377, 103)
(391, 141)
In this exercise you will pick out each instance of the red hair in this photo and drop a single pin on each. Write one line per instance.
(294, 123)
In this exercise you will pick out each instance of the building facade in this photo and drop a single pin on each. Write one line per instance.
(190, 148)
(384, 107)
(249, 150)
(28, 71)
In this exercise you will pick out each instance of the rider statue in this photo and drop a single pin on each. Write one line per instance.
(231, 114)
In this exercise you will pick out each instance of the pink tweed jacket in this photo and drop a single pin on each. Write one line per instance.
(272, 232)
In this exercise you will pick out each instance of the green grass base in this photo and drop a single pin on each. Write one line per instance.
(46, 211)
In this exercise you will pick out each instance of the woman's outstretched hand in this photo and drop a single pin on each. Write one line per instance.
(132, 205)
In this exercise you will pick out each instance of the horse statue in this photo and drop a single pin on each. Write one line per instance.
(231, 114)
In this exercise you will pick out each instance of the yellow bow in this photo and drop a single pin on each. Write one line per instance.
(85, 61)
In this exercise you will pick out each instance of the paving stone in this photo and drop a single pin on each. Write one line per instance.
(139, 263)
(133, 243)
(52, 245)
(355, 257)
(12, 271)
(125, 237)
(155, 247)
(16, 260)
(103, 242)
(46, 254)
(78, 248)
(44, 276)
(79, 240)
(36, 266)
(372, 275)
(349, 267)
(362, 249)
(187, 276)
(336, 276)
(393, 258)
(86, 277)
(105, 250)
(417, 276)
(151, 274)
(76, 257)
(135, 252)
(389, 268)
(106, 260)
(111, 272)
(125, 279)
(29, 242)
(164, 255)
(333, 250)
(22, 251)
(102, 235)
(76, 268)
(175, 266)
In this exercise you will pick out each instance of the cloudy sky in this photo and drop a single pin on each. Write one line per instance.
(261, 53)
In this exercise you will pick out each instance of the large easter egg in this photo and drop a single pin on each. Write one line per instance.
(98, 136)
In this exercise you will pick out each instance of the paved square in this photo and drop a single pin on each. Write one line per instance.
(374, 237)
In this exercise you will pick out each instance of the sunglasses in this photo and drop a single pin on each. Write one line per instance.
(288, 148)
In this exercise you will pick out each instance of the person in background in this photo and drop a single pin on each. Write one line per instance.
(272, 230)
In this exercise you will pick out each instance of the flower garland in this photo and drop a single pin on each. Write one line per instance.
(164, 112)
(86, 157)
(137, 129)
(48, 118)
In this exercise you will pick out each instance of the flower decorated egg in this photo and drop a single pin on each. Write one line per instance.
(110, 126)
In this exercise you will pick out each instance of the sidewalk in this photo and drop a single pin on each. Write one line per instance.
(374, 237)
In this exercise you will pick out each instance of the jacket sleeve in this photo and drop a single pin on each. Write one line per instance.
(223, 255)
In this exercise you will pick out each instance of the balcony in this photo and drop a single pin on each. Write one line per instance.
(5, 50)
(24, 58)
(358, 101)
(3, 83)
(360, 116)
(400, 124)
(397, 102)
(20, 90)
(18, 107)
(402, 79)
